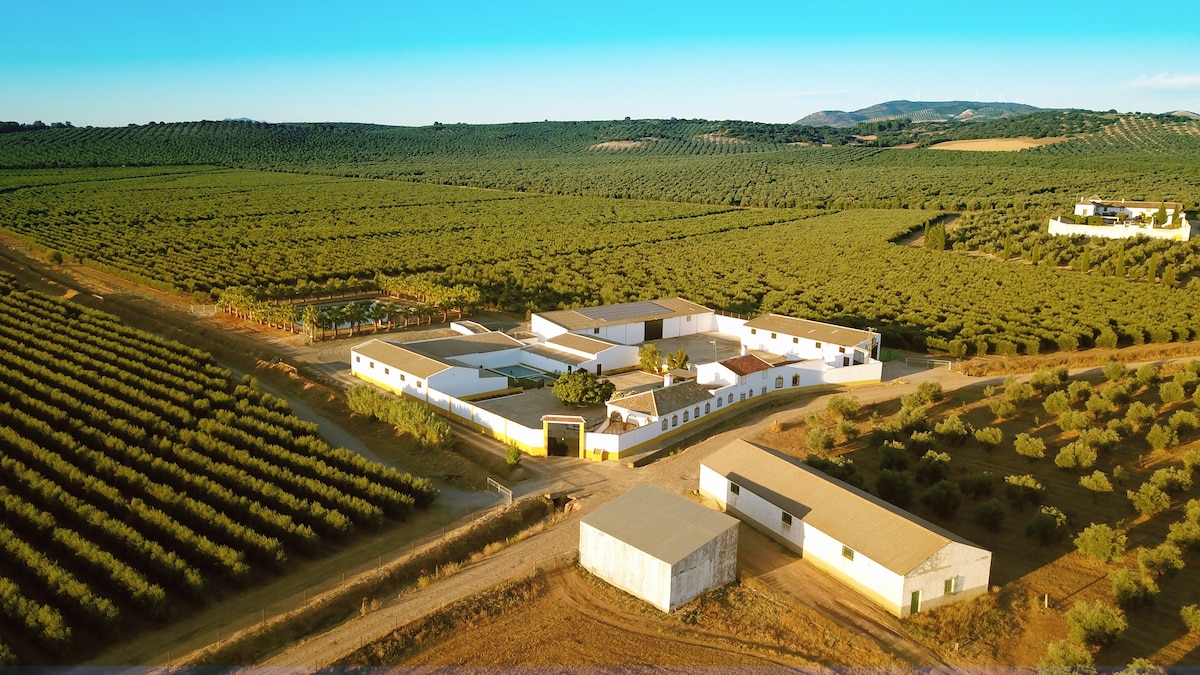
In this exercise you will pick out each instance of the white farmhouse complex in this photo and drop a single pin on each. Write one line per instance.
(1096, 217)
(900, 562)
(660, 547)
(494, 381)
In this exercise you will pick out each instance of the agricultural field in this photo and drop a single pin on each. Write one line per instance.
(1023, 468)
(205, 231)
(139, 479)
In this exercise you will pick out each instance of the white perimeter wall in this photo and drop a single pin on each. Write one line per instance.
(458, 381)
(625, 567)
(1182, 233)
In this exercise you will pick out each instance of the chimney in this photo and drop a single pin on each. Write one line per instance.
(667, 379)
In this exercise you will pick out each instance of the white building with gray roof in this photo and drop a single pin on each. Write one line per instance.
(661, 547)
(900, 562)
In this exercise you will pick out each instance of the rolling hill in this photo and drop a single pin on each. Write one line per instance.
(918, 111)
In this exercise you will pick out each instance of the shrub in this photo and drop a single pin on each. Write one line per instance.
(989, 437)
(1170, 392)
(930, 391)
(1119, 426)
(1096, 482)
(1094, 624)
(1029, 446)
(953, 429)
(1139, 413)
(1148, 500)
(1002, 409)
(977, 485)
(842, 406)
(1100, 542)
(943, 498)
(848, 429)
(841, 468)
(1185, 534)
(1101, 439)
(1077, 453)
(1191, 459)
(1191, 617)
(1115, 370)
(1184, 420)
(1022, 490)
(1047, 526)
(1017, 392)
(914, 418)
(1132, 590)
(1161, 438)
(513, 456)
(820, 441)
(814, 420)
(933, 467)
(896, 487)
(1066, 656)
(1078, 388)
(990, 515)
(1047, 379)
(1172, 480)
(892, 457)
(920, 442)
(1057, 403)
(1098, 405)
(1147, 374)
(1162, 560)
(1074, 420)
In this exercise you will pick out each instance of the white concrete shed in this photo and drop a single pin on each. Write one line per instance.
(658, 546)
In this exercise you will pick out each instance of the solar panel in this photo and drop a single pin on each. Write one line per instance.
(624, 311)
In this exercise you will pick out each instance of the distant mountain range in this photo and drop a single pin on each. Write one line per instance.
(918, 111)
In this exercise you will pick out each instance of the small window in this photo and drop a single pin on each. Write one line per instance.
(664, 424)
(772, 336)
(387, 371)
(696, 412)
(401, 377)
(371, 365)
(734, 488)
(741, 379)
(418, 384)
(795, 341)
(763, 391)
(674, 420)
(779, 382)
(754, 331)
(741, 397)
(708, 407)
(847, 553)
(795, 380)
(720, 401)
(764, 374)
(595, 331)
(818, 345)
(731, 397)
(357, 358)
(750, 393)
(951, 585)
(841, 350)
(689, 318)
(685, 416)
(787, 518)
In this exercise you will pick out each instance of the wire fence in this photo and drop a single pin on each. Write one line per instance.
(300, 600)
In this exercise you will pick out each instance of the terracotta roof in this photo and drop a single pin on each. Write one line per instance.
(626, 312)
(391, 354)
(886, 534)
(811, 330)
(580, 343)
(773, 359)
(665, 400)
(666, 526)
(744, 365)
(449, 347)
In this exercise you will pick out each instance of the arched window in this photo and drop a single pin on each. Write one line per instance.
(708, 407)
(664, 424)
(685, 416)
(779, 382)
(616, 416)
(674, 420)
(696, 412)
(795, 380)
(731, 397)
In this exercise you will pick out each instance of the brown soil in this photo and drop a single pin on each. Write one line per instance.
(997, 144)
(720, 137)
(617, 145)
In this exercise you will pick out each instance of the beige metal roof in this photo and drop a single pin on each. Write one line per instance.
(890, 536)
(580, 343)
(445, 348)
(812, 330)
(624, 313)
(665, 400)
(391, 354)
(663, 525)
(565, 358)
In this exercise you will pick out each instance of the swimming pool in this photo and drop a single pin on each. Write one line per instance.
(520, 371)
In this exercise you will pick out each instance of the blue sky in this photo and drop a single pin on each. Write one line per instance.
(409, 63)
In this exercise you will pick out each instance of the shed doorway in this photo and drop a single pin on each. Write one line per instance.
(914, 605)
(654, 330)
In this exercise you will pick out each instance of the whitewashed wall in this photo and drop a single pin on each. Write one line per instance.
(970, 567)
(457, 382)
(1182, 233)
(625, 567)
(866, 372)
(710, 566)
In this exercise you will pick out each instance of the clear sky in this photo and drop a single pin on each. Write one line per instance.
(413, 63)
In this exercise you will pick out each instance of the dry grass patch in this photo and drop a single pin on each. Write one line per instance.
(617, 145)
(997, 144)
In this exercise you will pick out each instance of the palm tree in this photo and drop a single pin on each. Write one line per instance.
(311, 317)
(355, 313)
(376, 313)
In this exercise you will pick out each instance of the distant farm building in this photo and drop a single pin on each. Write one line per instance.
(498, 382)
(1097, 217)
(660, 547)
(900, 562)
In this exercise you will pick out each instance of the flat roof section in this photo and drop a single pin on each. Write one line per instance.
(663, 525)
(445, 348)
(626, 312)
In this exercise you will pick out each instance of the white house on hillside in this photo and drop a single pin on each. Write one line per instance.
(1122, 219)
(900, 562)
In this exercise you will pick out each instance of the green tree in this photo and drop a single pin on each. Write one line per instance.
(582, 387)
(1048, 526)
(1191, 617)
(650, 358)
(1163, 560)
(1170, 392)
(896, 487)
(1028, 446)
(1161, 437)
(1100, 542)
(1148, 500)
(1057, 403)
(1095, 624)
(842, 406)
(953, 429)
(989, 437)
(678, 360)
(1077, 453)
(1067, 657)
(1172, 480)
(990, 515)
(1115, 370)
(943, 498)
(1097, 481)
(1132, 589)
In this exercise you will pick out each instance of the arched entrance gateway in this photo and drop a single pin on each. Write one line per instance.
(564, 435)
